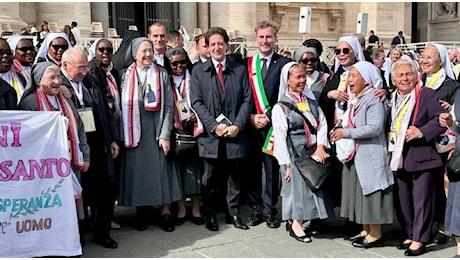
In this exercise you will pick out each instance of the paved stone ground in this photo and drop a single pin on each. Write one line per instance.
(192, 241)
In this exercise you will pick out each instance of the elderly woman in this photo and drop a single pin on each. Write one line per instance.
(186, 123)
(414, 160)
(53, 47)
(367, 191)
(24, 55)
(299, 201)
(148, 176)
(316, 80)
(43, 94)
(437, 74)
(394, 55)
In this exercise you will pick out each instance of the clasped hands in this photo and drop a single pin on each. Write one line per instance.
(222, 130)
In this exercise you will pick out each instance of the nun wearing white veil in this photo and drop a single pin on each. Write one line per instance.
(367, 194)
(53, 47)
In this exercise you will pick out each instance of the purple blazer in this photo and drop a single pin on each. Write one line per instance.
(421, 154)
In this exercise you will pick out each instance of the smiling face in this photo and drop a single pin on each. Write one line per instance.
(404, 78)
(157, 33)
(144, 55)
(217, 47)
(395, 55)
(430, 61)
(355, 81)
(178, 64)
(6, 56)
(346, 56)
(297, 79)
(309, 61)
(104, 52)
(266, 40)
(57, 48)
(51, 80)
(25, 52)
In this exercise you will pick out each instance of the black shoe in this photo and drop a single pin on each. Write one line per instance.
(403, 246)
(236, 221)
(179, 221)
(440, 238)
(255, 219)
(167, 223)
(82, 241)
(211, 224)
(288, 225)
(304, 239)
(197, 220)
(416, 252)
(106, 242)
(272, 222)
(357, 238)
(228, 219)
(365, 244)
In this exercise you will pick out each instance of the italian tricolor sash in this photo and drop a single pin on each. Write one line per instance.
(260, 99)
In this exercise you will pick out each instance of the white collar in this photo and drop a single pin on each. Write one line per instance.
(216, 63)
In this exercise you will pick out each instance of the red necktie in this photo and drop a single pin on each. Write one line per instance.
(220, 76)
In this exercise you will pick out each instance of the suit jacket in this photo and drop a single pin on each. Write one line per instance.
(396, 41)
(421, 154)
(209, 101)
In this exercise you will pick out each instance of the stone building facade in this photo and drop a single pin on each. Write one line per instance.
(330, 20)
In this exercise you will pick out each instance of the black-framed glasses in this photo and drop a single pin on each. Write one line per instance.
(105, 49)
(7, 52)
(26, 49)
(306, 61)
(344, 51)
(176, 63)
(56, 47)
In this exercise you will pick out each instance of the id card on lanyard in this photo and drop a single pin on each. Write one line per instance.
(87, 117)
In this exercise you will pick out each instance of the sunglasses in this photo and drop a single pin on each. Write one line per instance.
(7, 52)
(306, 61)
(104, 49)
(26, 49)
(344, 51)
(57, 47)
(176, 63)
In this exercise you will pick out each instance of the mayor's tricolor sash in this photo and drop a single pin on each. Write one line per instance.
(260, 98)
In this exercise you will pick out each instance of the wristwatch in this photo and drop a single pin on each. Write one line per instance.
(420, 134)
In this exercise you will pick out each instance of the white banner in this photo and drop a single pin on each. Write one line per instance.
(37, 205)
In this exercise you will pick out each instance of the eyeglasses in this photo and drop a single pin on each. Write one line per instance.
(26, 49)
(56, 47)
(344, 51)
(104, 49)
(81, 68)
(7, 52)
(176, 63)
(306, 61)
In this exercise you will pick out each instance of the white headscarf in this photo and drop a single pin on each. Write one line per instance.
(370, 73)
(444, 55)
(47, 41)
(354, 44)
(284, 85)
(13, 42)
(92, 49)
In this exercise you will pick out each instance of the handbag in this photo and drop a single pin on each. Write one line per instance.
(185, 145)
(314, 173)
(453, 165)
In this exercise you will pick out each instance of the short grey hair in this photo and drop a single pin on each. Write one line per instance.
(68, 55)
(400, 63)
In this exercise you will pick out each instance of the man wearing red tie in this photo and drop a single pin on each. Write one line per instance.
(221, 96)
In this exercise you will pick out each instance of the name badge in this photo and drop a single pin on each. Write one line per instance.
(391, 141)
(87, 117)
(184, 110)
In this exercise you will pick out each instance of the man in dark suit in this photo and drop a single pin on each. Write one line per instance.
(201, 49)
(221, 97)
(98, 182)
(264, 71)
(398, 39)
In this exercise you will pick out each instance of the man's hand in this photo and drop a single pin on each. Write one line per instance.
(231, 131)
(220, 129)
(445, 120)
(259, 120)
(114, 149)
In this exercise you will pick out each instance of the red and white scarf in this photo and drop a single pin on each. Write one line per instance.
(43, 104)
(130, 101)
(112, 89)
(21, 70)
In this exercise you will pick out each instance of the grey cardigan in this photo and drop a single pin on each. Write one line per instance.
(371, 158)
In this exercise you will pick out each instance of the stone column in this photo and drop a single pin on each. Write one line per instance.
(10, 13)
(203, 16)
(100, 13)
(188, 16)
(65, 13)
(238, 17)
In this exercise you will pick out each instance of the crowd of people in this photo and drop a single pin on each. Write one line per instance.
(156, 126)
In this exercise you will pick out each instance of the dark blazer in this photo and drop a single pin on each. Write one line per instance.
(8, 97)
(209, 101)
(271, 81)
(102, 115)
(395, 40)
(421, 154)
(447, 91)
(328, 104)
